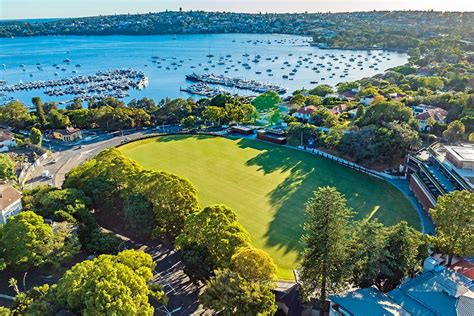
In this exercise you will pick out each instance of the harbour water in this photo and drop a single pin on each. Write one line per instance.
(283, 60)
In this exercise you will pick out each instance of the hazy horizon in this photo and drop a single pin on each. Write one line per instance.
(38, 9)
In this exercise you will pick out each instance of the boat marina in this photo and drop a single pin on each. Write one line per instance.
(102, 84)
(244, 64)
(245, 84)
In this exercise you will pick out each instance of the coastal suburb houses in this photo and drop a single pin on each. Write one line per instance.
(7, 140)
(437, 291)
(440, 169)
(429, 115)
(10, 202)
(69, 134)
(305, 112)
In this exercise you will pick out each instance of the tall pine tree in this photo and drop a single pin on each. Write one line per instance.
(326, 242)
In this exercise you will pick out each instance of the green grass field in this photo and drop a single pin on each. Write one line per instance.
(267, 186)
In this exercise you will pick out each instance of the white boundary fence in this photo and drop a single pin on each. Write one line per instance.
(29, 168)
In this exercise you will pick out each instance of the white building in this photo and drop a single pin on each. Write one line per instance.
(367, 100)
(305, 112)
(7, 140)
(10, 202)
(426, 115)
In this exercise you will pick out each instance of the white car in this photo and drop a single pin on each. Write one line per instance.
(47, 174)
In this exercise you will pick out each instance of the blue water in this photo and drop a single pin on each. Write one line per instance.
(96, 53)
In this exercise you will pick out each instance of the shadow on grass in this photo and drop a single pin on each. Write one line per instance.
(306, 174)
(178, 137)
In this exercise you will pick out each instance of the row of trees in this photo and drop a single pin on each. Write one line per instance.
(214, 246)
(382, 133)
(339, 252)
(111, 114)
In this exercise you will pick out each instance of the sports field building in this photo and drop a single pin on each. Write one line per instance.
(440, 169)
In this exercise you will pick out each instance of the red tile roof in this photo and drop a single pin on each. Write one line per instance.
(438, 114)
(5, 135)
(307, 110)
(464, 267)
(67, 131)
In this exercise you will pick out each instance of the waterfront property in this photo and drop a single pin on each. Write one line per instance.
(267, 185)
(10, 202)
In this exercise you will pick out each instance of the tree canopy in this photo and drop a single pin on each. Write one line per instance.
(326, 242)
(454, 217)
(216, 229)
(26, 241)
(112, 285)
(36, 137)
(7, 168)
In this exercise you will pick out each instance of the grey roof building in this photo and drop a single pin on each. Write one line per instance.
(437, 292)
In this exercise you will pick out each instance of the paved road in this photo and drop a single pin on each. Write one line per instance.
(68, 156)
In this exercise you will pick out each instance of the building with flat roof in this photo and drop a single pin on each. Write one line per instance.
(461, 156)
(440, 169)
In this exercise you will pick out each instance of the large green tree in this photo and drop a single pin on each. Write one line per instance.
(455, 131)
(25, 241)
(7, 168)
(321, 90)
(254, 265)
(39, 106)
(15, 114)
(57, 120)
(266, 101)
(403, 252)
(173, 199)
(325, 243)
(216, 230)
(36, 137)
(230, 294)
(106, 285)
(368, 240)
(386, 112)
(454, 217)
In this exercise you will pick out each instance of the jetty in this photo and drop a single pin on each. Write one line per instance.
(244, 84)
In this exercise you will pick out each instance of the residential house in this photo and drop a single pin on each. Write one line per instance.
(465, 266)
(69, 134)
(349, 95)
(339, 109)
(7, 140)
(437, 291)
(10, 202)
(396, 96)
(305, 112)
(367, 100)
(429, 115)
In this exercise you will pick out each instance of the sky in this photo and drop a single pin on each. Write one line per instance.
(24, 9)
